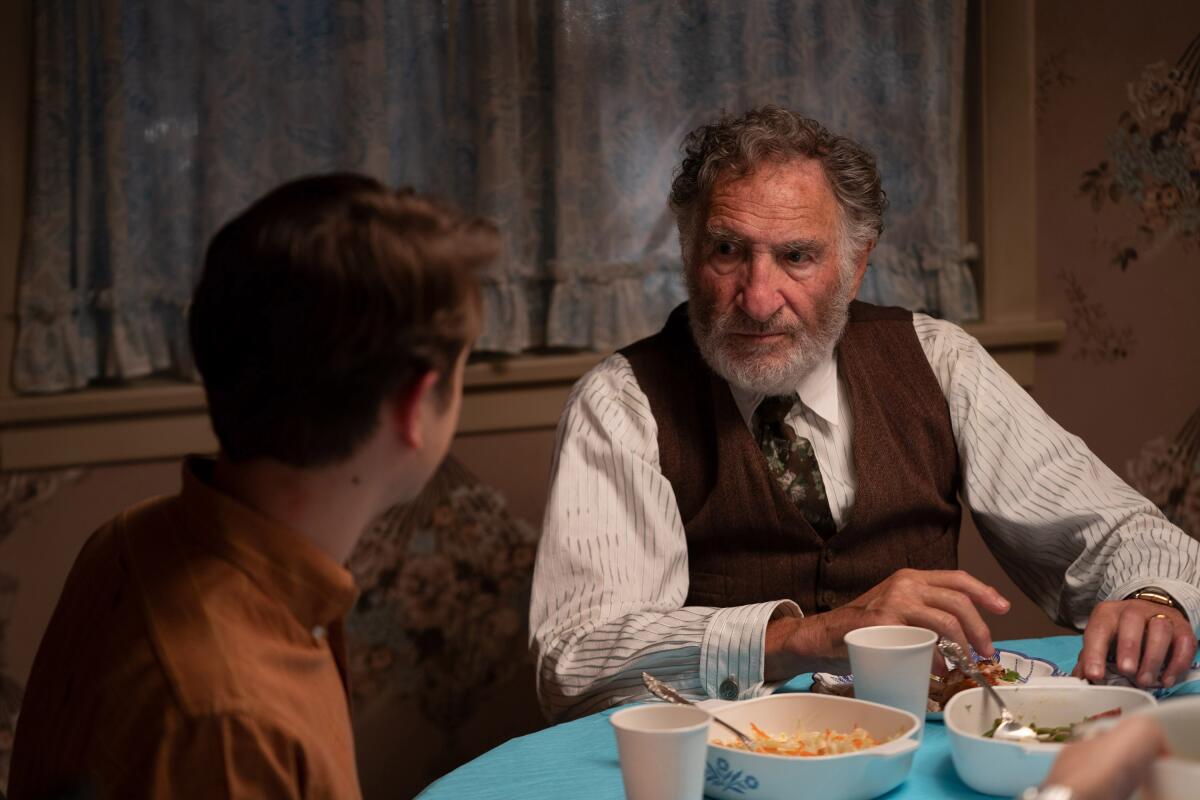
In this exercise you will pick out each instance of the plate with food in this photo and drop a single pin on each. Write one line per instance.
(1004, 668)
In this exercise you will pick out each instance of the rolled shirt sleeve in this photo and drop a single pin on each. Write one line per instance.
(1063, 525)
(611, 577)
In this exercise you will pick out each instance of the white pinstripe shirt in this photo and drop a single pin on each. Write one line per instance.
(612, 567)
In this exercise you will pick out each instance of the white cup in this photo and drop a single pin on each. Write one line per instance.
(662, 750)
(891, 666)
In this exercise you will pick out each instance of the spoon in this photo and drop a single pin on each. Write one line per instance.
(1008, 728)
(664, 692)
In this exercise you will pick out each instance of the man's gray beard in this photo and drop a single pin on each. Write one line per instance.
(764, 373)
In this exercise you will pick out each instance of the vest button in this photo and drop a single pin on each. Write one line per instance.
(728, 689)
(828, 556)
(827, 598)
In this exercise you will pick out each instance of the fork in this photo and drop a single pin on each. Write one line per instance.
(664, 692)
(1008, 728)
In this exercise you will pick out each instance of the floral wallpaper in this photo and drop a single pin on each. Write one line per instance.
(1167, 471)
(1154, 158)
(442, 617)
(1123, 275)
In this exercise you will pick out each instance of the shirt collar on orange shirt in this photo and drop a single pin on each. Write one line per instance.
(283, 563)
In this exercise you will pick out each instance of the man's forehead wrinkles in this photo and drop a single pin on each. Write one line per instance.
(768, 207)
(802, 232)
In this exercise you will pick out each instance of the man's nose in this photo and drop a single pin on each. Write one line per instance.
(759, 297)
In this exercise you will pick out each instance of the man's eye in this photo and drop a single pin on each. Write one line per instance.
(725, 248)
(797, 257)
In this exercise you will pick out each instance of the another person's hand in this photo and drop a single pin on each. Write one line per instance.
(1113, 764)
(1145, 633)
(944, 601)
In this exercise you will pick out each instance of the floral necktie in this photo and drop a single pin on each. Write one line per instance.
(792, 462)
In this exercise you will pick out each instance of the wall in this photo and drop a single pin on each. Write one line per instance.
(1129, 369)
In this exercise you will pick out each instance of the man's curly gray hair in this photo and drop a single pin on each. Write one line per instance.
(735, 146)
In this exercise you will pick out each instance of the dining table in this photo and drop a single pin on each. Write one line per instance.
(578, 759)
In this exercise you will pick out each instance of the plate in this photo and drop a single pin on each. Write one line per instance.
(1026, 667)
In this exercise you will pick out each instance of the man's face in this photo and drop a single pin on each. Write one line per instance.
(768, 291)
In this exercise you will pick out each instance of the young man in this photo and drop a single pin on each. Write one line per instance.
(197, 648)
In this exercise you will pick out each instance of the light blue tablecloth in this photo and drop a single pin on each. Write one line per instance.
(579, 759)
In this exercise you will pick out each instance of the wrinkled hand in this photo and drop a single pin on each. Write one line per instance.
(1145, 634)
(946, 602)
(1113, 764)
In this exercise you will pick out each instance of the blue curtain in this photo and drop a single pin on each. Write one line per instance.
(154, 122)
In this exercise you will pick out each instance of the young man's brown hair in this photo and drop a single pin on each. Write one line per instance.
(320, 300)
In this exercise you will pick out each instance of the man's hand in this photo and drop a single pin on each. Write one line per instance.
(1145, 633)
(943, 601)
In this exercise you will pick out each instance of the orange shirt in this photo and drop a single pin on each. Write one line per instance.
(196, 651)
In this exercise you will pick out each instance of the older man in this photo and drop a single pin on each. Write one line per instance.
(782, 464)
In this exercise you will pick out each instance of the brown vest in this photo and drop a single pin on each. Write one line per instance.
(747, 543)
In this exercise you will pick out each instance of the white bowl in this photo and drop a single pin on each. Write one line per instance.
(993, 766)
(1176, 776)
(732, 774)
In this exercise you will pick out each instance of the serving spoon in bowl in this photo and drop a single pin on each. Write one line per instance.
(1008, 729)
(664, 692)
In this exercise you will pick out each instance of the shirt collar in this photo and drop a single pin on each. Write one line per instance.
(281, 561)
(818, 390)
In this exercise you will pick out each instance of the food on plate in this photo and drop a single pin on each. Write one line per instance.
(940, 691)
(1058, 733)
(827, 742)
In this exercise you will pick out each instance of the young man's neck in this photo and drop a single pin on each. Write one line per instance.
(329, 506)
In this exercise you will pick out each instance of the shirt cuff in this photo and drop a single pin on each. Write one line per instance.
(732, 651)
(1185, 594)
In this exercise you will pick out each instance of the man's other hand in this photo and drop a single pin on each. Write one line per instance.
(946, 602)
(1153, 641)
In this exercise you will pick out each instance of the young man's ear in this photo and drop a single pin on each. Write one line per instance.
(409, 405)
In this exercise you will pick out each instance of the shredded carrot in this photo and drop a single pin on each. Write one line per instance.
(807, 743)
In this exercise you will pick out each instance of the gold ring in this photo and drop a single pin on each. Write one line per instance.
(1158, 616)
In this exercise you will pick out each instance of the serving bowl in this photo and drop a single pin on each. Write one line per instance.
(993, 766)
(732, 773)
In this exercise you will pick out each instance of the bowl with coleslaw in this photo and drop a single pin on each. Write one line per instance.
(1006, 768)
(852, 749)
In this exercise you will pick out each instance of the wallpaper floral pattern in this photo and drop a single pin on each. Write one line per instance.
(1154, 158)
(1153, 167)
(1167, 471)
(442, 617)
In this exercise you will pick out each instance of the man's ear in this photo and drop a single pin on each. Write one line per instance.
(408, 407)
